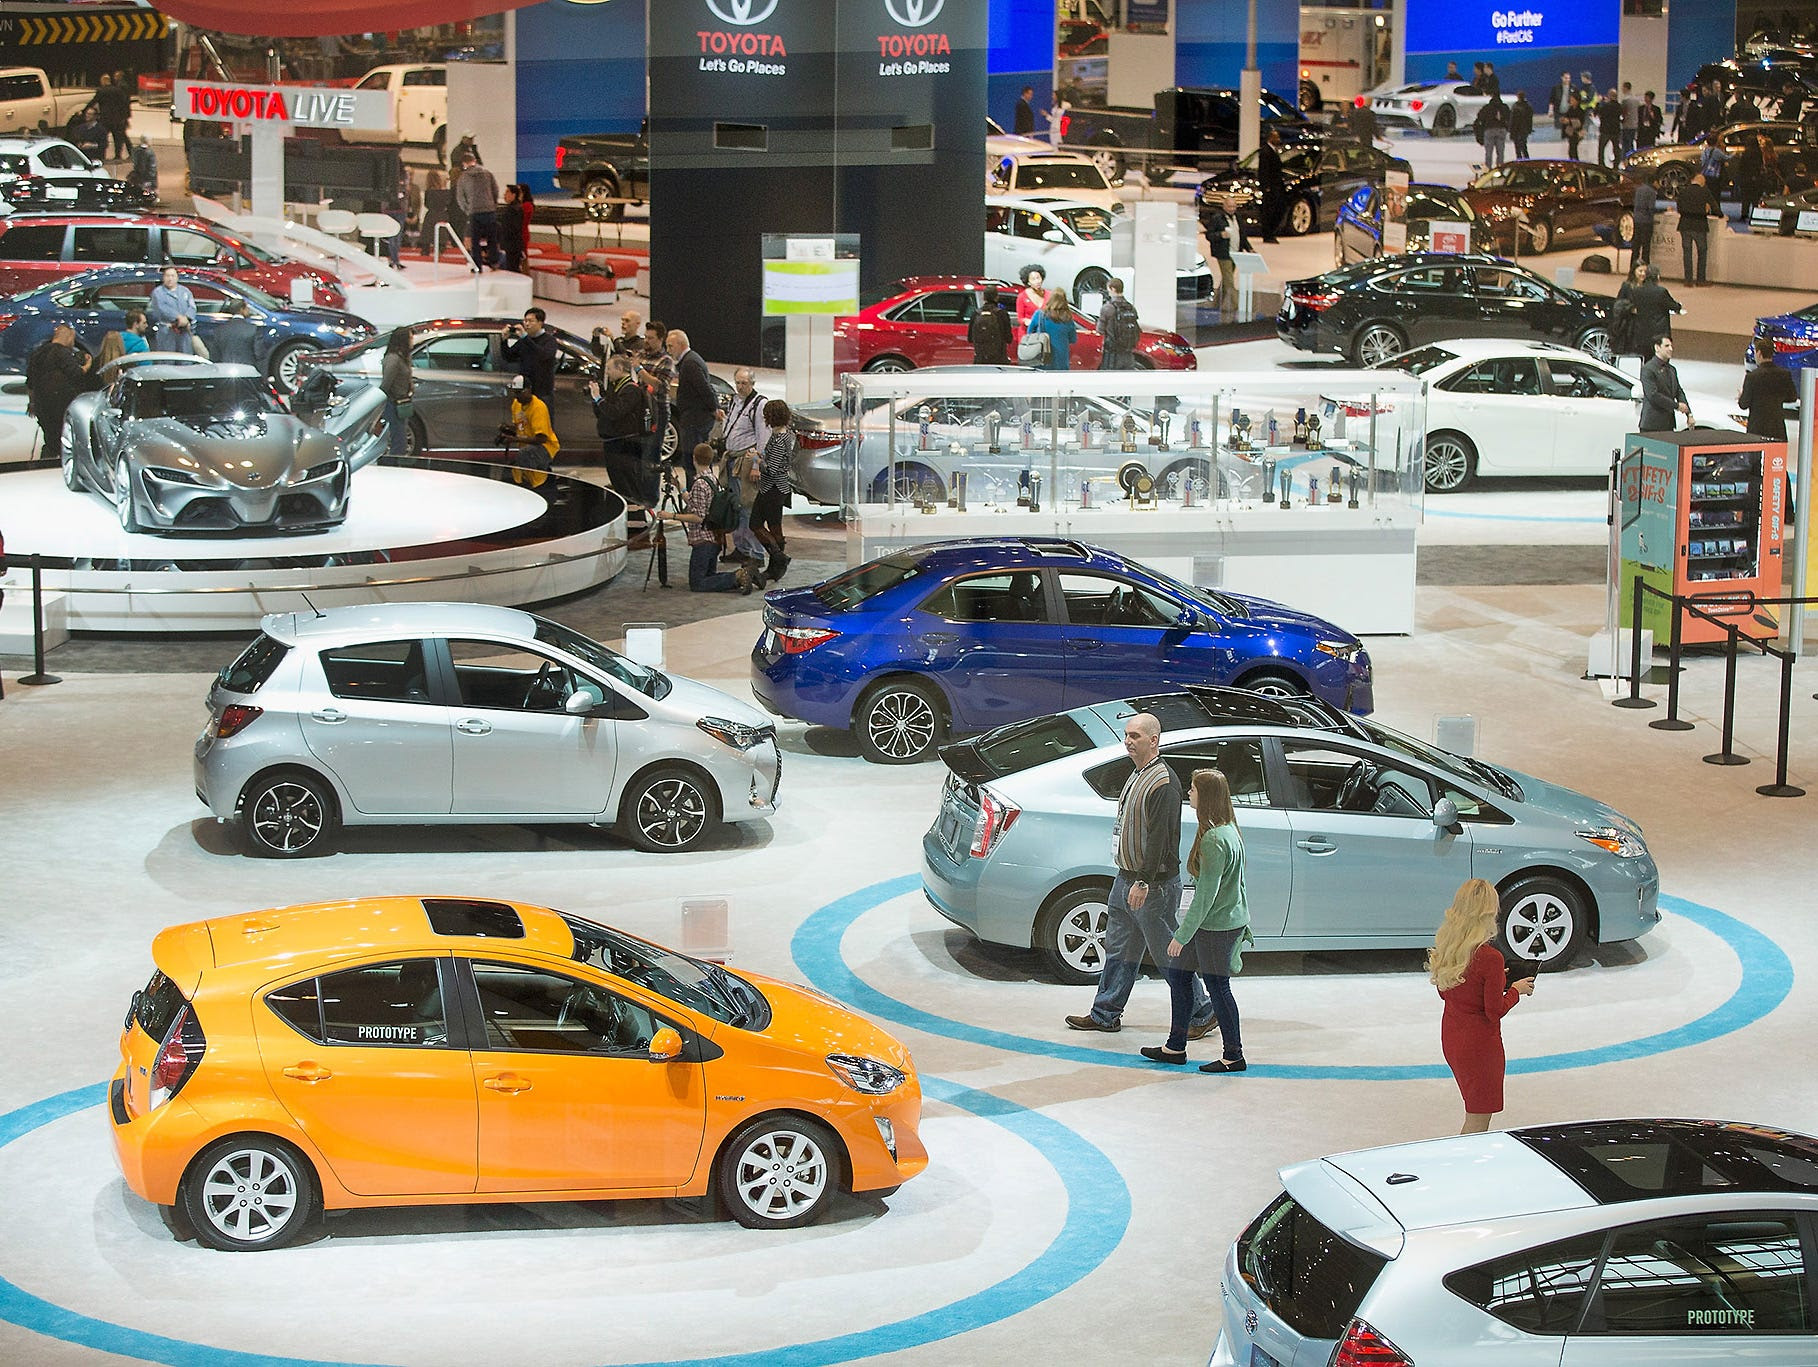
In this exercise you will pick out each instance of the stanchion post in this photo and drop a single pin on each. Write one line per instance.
(1780, 787)
(1728, 755)
(1634, 699)
(1671, 721)
(38, 676)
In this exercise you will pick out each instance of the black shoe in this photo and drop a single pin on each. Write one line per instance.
(1093, 1023)
(1223, 1066)
(779, 566)
(1156, 1054)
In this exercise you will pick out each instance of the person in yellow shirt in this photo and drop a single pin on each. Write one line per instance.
(530, 428)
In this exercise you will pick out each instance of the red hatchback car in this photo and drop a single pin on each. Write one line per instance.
(921, 321)
(36, 249)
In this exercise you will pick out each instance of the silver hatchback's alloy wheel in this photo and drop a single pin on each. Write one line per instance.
(1544, 922)
(1377, 343)
(288, 816)
(899, 723)
(248, 1192)
(1070, 935)
(778, 1173)
(1449, 463)
(671, 811)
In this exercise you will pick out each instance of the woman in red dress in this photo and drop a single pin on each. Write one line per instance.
(1471, 977)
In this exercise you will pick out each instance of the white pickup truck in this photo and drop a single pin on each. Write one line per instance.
(419, 101)
(27, 100)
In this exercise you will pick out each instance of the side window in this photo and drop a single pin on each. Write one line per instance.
(471, 352)
(1326, 779)
(423, 76)
(506, 678)
(997, 220)
(114, 244)
(949, 306)
(1431, 280)
(20, 87)
(32, 242)
(1577, 380)
(377, 671)
(1472, 808)
(185, 248)
(56, 158)
(570, 361)
(1098, 600)
(1500, 284)
(1239, 759)
(396, 1004)
(990, 598)
(1733, 1274)
(533, 1010)
(376, 81)
(1024, 223)
(1504, 375)
(1539, 1290)
(210, 301)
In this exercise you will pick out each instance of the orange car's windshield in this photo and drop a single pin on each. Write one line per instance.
(699, 986)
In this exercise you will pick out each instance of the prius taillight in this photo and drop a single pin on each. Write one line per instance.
(177, 1058)
(996, 815)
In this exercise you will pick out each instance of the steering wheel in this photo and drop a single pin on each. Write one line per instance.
(1356, 783)
(546, 689)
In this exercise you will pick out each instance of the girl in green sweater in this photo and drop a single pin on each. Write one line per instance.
(1212, 931)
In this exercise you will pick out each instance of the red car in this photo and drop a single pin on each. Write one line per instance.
(36, 249)
(921, 321)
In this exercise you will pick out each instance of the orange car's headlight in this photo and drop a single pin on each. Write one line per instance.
(871, 1076)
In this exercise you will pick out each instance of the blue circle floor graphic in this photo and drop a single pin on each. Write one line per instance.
(1098, 1214)
(1767, 978)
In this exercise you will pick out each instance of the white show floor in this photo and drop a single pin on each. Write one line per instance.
(388, 508)
(1088, 1226)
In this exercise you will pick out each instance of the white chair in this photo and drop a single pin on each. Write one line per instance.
(336, 222)
(375, 228)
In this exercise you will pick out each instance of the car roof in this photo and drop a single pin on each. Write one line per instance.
(305, 936)
(112, 216)
(1047, 201)
(1462, 1179)
(376, 620)
(1638, 1160)
(1476, 348)
(220, 370)
(33, 143)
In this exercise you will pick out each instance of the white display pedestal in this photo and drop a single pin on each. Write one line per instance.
(16, 619)
(1349, 565)
(1739, 258)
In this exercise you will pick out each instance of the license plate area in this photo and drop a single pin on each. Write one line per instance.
(1258, 1358)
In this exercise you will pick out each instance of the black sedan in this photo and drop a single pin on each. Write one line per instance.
(1319, 179)
(1358, 233)
(1376, 309)
(1669, 166)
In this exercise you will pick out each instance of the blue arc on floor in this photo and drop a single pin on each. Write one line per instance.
(1767, 977)
(1098, 1214)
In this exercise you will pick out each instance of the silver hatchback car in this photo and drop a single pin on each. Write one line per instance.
(457, 713)
(1667, 1243)
(1355, 836)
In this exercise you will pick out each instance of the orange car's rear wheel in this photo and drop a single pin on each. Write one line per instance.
(249, 1192)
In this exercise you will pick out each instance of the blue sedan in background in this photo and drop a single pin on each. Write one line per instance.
(1794, 337)
(95, 303)
(962, 636)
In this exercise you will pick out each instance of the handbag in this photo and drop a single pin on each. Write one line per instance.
(1035, 348)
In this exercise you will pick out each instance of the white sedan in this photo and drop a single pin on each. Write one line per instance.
(1438, 107)
(1063, 173)
(1497, 407)
(1070, 240)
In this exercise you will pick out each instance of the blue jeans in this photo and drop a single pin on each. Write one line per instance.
(1180, 994)
(1126, 935)
(704, 574)
(397, 428)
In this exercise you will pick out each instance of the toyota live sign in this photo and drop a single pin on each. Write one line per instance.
(292, 106)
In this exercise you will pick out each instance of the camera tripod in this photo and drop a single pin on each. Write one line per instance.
(669, 500)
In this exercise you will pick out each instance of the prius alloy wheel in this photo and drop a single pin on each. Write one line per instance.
(1070, 935)
(1544, 921)
(778, 1173)
(248, 1192)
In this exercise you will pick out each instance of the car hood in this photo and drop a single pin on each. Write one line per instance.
(258, 452)
(814, 1023)
(698, 699)
(1790, 322)
(1568, 804)
(1265, 614)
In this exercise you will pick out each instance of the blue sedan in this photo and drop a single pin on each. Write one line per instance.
(95, 303)
(963, 636)
(1794, 337)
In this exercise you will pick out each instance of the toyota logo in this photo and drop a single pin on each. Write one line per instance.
(1250, 1323)
(912, 13)
(739, 11)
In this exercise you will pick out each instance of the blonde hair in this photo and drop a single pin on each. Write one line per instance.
(1212, 803)
(1056, 305)
(1469, 924)
(112, 348)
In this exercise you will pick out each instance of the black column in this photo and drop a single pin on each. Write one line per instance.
(807, 116)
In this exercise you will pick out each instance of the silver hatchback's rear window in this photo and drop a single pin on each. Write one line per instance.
(253, 666)
(1311, 1278)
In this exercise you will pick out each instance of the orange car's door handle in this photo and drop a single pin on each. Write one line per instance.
(507, 1082)
(308, 1072)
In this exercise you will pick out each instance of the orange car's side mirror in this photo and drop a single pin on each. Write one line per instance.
(665, 1045)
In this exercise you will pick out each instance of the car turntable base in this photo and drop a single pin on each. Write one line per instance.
(417, 531)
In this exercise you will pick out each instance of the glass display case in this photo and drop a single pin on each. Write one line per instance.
(1303, 486)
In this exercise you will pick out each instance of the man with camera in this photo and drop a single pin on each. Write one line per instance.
(528, 438)
(531, 349)
(619, 410)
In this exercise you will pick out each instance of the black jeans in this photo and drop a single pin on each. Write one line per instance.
(1690, 243)
(483, 229)
(626, 470)
(1644, 240)
(1224, 1006)
(767, 520)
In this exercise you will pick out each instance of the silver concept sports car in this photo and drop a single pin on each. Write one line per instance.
(178, 444)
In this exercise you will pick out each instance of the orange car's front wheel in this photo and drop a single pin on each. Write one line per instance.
(779, 1172)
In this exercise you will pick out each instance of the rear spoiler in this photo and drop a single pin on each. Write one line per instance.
(964, 761)
(1345, 1206)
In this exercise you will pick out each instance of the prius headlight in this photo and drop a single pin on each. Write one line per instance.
(868, 1075)
(734, 733)
(1623, 844)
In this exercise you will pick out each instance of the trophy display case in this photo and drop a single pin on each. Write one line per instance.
(1302, 487)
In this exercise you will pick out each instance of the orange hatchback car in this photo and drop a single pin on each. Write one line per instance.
(404, 1051)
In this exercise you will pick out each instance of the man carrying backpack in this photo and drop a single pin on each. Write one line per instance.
(1119, 328)
(710, 510)
(989, 331)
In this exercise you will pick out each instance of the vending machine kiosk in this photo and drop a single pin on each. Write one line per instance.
(1702, 516)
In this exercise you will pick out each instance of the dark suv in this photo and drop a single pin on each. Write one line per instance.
(1376, 309)
(36, 249)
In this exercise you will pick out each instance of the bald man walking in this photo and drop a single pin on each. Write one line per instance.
(1145, 896)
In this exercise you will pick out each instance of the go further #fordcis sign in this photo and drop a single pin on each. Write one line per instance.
(1486, 27)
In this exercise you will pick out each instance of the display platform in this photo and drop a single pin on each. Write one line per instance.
(466, 531)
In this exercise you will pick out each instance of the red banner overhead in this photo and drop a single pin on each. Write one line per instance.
(322, 18)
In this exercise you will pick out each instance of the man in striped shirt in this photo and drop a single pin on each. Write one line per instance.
(1145, 897)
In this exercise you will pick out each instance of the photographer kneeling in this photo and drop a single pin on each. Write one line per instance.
(529, 440)
(704, 576)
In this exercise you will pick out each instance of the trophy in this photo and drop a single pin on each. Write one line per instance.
(1274, 429)
(1287, 484)
(927, 417)
(1312, 491)
(959, 454)
(1240, 430)
(1189, 489)
(1138, 486)
(1085, 492)
(1129, 430)
(925, 497)
(1035, 493)
(1163, 429)
(1333, 493)
(1268, 468)
(1022, 489)
(1313, 441)
(1193, 434)
(1028, 431)
(994, 427)
(1300, 427)
(1356, 484)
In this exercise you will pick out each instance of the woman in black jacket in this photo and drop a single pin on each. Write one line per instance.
(1653, 309)
(619, 418)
